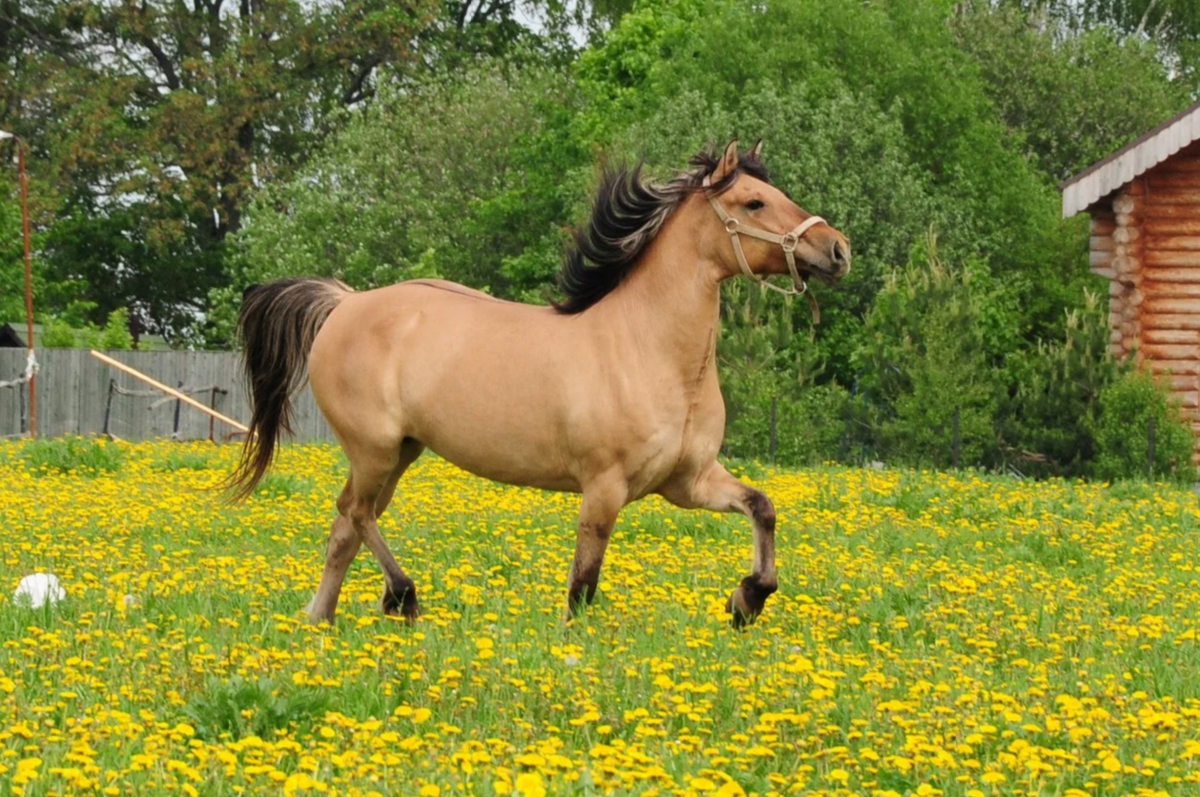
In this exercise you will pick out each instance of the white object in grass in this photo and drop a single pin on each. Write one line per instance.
(38, 589)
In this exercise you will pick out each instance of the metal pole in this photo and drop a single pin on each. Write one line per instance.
(170, 391)
(178, 407)
(112, 389)
(28, 282)
(212, 405)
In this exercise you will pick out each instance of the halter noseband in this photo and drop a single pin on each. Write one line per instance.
(789, 241)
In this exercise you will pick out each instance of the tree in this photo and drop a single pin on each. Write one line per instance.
(1068, 101)
(155, 121)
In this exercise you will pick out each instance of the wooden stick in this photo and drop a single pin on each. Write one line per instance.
(120, 366)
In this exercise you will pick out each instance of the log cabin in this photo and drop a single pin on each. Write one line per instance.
(1144, 203)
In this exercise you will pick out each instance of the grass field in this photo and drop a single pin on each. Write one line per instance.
(933, 634)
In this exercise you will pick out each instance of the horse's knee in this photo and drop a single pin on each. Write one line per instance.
(762, 511)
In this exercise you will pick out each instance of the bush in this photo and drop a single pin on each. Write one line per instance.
(763, 360)
(239, 708)
(73, 454)
(1122, 435)
(65, 332)
(1049, 414)
(927, 361)
(115, 334)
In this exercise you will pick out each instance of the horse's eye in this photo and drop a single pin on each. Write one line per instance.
(754, 204)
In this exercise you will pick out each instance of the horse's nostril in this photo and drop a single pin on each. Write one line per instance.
(840, 254)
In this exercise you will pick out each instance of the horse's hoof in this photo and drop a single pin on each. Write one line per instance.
(747, 601)
(740, 613)
(406, 607)
(319, 619)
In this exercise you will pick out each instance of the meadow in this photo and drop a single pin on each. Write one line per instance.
(934, 634)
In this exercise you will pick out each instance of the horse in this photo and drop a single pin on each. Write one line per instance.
(611, 392)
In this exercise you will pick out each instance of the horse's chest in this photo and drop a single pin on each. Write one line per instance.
(678, 434)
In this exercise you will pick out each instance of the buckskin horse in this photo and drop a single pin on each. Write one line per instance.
(611, 392)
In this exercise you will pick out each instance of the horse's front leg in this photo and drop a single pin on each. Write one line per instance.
(602, 501)
(716, 489)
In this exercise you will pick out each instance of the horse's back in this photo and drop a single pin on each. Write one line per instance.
(481, 381)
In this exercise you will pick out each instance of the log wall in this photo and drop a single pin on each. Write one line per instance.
(1146, 240)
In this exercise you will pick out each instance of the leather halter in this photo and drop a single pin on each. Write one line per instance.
(789, 241)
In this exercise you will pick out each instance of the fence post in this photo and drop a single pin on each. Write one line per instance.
(212, 405)
(178, 407)
(21, 405)
(957, 413)
(1150, 448)
(774, 427)
(112, 388)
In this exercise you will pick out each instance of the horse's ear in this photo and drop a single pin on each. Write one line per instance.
(729, 162)
(756, 151)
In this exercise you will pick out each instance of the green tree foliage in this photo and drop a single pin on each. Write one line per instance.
(1105, 89)
(152, 122)
(462, 180)
(12, 270)
(1052, 397)
(1171, 25)
(929, 354)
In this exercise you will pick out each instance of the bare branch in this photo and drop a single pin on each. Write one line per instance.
(1145, 18)
(354, 92)
(163, 60)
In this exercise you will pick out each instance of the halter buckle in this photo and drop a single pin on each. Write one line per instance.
(731, 226)
(789, 241)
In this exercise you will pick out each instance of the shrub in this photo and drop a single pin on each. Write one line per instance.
(765, 361)
(812, 425)
(58, 335)
(184, 460)
(242, 708)
(1122, 435)
(1049, 414)
(927, 361)
(115, 334)
(73, 454)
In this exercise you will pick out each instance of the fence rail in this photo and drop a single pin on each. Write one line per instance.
(73, 395)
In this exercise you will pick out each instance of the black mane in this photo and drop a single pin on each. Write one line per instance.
(626, 215)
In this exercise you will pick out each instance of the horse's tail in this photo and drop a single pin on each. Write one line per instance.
(277, 324)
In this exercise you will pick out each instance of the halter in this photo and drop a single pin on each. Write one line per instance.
(789, 241)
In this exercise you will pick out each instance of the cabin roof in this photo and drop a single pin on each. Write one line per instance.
(1130, 161)
(9, 339)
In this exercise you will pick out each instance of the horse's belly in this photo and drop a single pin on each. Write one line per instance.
(501, 432)
(515, 473)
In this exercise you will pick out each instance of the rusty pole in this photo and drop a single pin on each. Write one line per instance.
(28, 283)
(24, 181)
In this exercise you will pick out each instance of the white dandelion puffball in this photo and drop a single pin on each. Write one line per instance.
(38, 589)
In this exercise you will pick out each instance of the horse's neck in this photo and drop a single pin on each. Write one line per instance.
(670, 302)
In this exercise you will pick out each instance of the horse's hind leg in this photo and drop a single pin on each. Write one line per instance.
(718, 490)
(399, 591)
(346, 538)
(340, 551)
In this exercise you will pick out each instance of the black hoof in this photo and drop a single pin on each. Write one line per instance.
(747, 601)
(401, 600)
(579, 597)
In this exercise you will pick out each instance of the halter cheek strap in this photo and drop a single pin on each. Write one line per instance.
(789, 241)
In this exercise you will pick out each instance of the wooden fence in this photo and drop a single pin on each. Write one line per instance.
(73, 393)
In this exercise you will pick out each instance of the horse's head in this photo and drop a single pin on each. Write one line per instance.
(768, 233)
